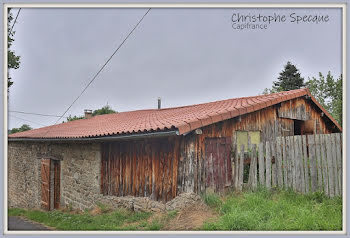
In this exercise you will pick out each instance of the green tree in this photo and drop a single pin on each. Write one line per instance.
(24, 127)
(13, 60)
(289, 79)
(104, 110)
(73, 118)
(329, 92)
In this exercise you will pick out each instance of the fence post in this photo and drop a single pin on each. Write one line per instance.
(253, 165)
(330, 165)
(289, 163)
(301, 164)
(241, 169)
(261, 164)
(297, 165)
(237, 155)
(335, 167)
(340, 162)
(268, 165)
(278, 161)
(285, 164)
(306, 164)
(293, 162)
(324, 163)
(318, 161)
(313, 168)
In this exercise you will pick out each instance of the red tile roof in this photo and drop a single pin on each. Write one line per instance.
(184, 119)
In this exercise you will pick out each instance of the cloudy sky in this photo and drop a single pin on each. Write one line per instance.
(184, 56)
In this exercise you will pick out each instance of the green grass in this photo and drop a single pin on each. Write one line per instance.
(278, 210)
(262, 210)
(108, 220)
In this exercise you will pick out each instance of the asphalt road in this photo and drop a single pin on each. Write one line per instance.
(19, 224)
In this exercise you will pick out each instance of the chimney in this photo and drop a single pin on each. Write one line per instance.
(159, 103)
(88, 113)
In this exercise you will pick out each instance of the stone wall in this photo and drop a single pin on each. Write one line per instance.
(146, 204)
(80, 179)
(80, 173)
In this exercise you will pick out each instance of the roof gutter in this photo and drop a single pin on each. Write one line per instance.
(104, 138)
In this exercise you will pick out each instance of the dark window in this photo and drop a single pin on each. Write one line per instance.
(297, 127)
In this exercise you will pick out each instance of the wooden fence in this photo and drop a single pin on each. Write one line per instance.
(304, 163)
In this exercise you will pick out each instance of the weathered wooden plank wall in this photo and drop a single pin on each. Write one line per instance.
(309, 164)
(162, 168)
(140, 168)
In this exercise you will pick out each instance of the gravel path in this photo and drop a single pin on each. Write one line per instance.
(19, 224)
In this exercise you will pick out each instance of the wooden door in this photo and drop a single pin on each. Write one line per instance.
(45, 183)
(56, 190)
(218, 163)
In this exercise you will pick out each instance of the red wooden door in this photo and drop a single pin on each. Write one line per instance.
(218, 163)
(45, 183)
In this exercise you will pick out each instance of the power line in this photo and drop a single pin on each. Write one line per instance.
(15, 20)
(101, 68)
(27, 120)
(38, 114)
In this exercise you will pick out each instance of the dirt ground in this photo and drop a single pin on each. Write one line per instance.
(191, 218)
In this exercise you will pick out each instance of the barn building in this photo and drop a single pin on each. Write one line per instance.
(155, 153)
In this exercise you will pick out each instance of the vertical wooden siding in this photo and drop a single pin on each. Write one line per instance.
(192, 161)
(162, 168)
(140, 168)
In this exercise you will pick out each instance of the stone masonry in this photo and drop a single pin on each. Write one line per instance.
(80, 173)
(80, 179)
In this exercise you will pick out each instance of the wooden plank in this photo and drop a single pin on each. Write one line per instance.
(153, 158)
(255, 170)
(297, 164)
(313, 168)
(175, 166)
(293, 163)
(241, 169)
(287, 160)
(319, 162)
(340, 161)
(261, 165)
(268, 165)
(274, 175)
(45, 183)
(195, 169)
(237, 160)
(306, 164)
(330, 165)
(278, 161)
(301, 164)
(324, 165)
(273, 165)
(250, 175)
(334, 157)
(228, 153)
(284, 162)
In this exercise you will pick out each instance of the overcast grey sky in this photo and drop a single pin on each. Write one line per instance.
(184, 56)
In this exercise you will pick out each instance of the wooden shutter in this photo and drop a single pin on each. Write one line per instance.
(45, 183)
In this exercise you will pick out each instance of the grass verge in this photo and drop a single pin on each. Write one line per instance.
(275, 211)
(63, 220)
